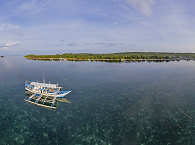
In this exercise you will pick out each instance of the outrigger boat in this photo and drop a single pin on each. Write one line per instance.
(43, 94)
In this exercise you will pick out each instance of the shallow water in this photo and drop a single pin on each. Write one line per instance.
(112, 103)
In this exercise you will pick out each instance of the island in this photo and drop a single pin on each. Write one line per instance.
(116, 57)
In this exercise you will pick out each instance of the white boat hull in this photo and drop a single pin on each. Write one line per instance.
(48, 94)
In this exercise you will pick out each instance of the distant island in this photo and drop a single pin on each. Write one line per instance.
(1, 56)
(116, 57)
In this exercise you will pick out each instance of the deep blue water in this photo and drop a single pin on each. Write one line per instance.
(112, 103)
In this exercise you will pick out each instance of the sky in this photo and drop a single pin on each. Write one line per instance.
(103, 26)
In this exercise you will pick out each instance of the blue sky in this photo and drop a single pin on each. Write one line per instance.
(48, 26)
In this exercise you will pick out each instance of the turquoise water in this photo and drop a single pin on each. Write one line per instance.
(112, 103)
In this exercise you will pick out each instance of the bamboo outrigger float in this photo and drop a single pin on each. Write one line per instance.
(45, 95)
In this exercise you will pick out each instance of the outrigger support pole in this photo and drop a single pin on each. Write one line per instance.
(31, 96)
(53, 100)
(37, 100)
(45, 99)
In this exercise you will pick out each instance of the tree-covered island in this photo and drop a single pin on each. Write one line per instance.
(116, 57)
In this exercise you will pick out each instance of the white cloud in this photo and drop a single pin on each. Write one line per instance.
(29, 7)
(144, 6)
(32, 7)
(9, 44)
(8, 27)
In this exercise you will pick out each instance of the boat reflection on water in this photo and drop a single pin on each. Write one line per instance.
(44, 94)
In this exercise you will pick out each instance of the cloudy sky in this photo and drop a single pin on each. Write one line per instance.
(58, 26)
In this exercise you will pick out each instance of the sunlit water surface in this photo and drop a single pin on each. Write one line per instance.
(112, 103)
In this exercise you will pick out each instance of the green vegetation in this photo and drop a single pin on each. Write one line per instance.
(125, 56)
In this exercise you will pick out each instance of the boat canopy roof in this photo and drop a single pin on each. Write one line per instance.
(54, 86)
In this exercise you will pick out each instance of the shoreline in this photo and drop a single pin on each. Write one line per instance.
(113, 60)
(115, 57)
